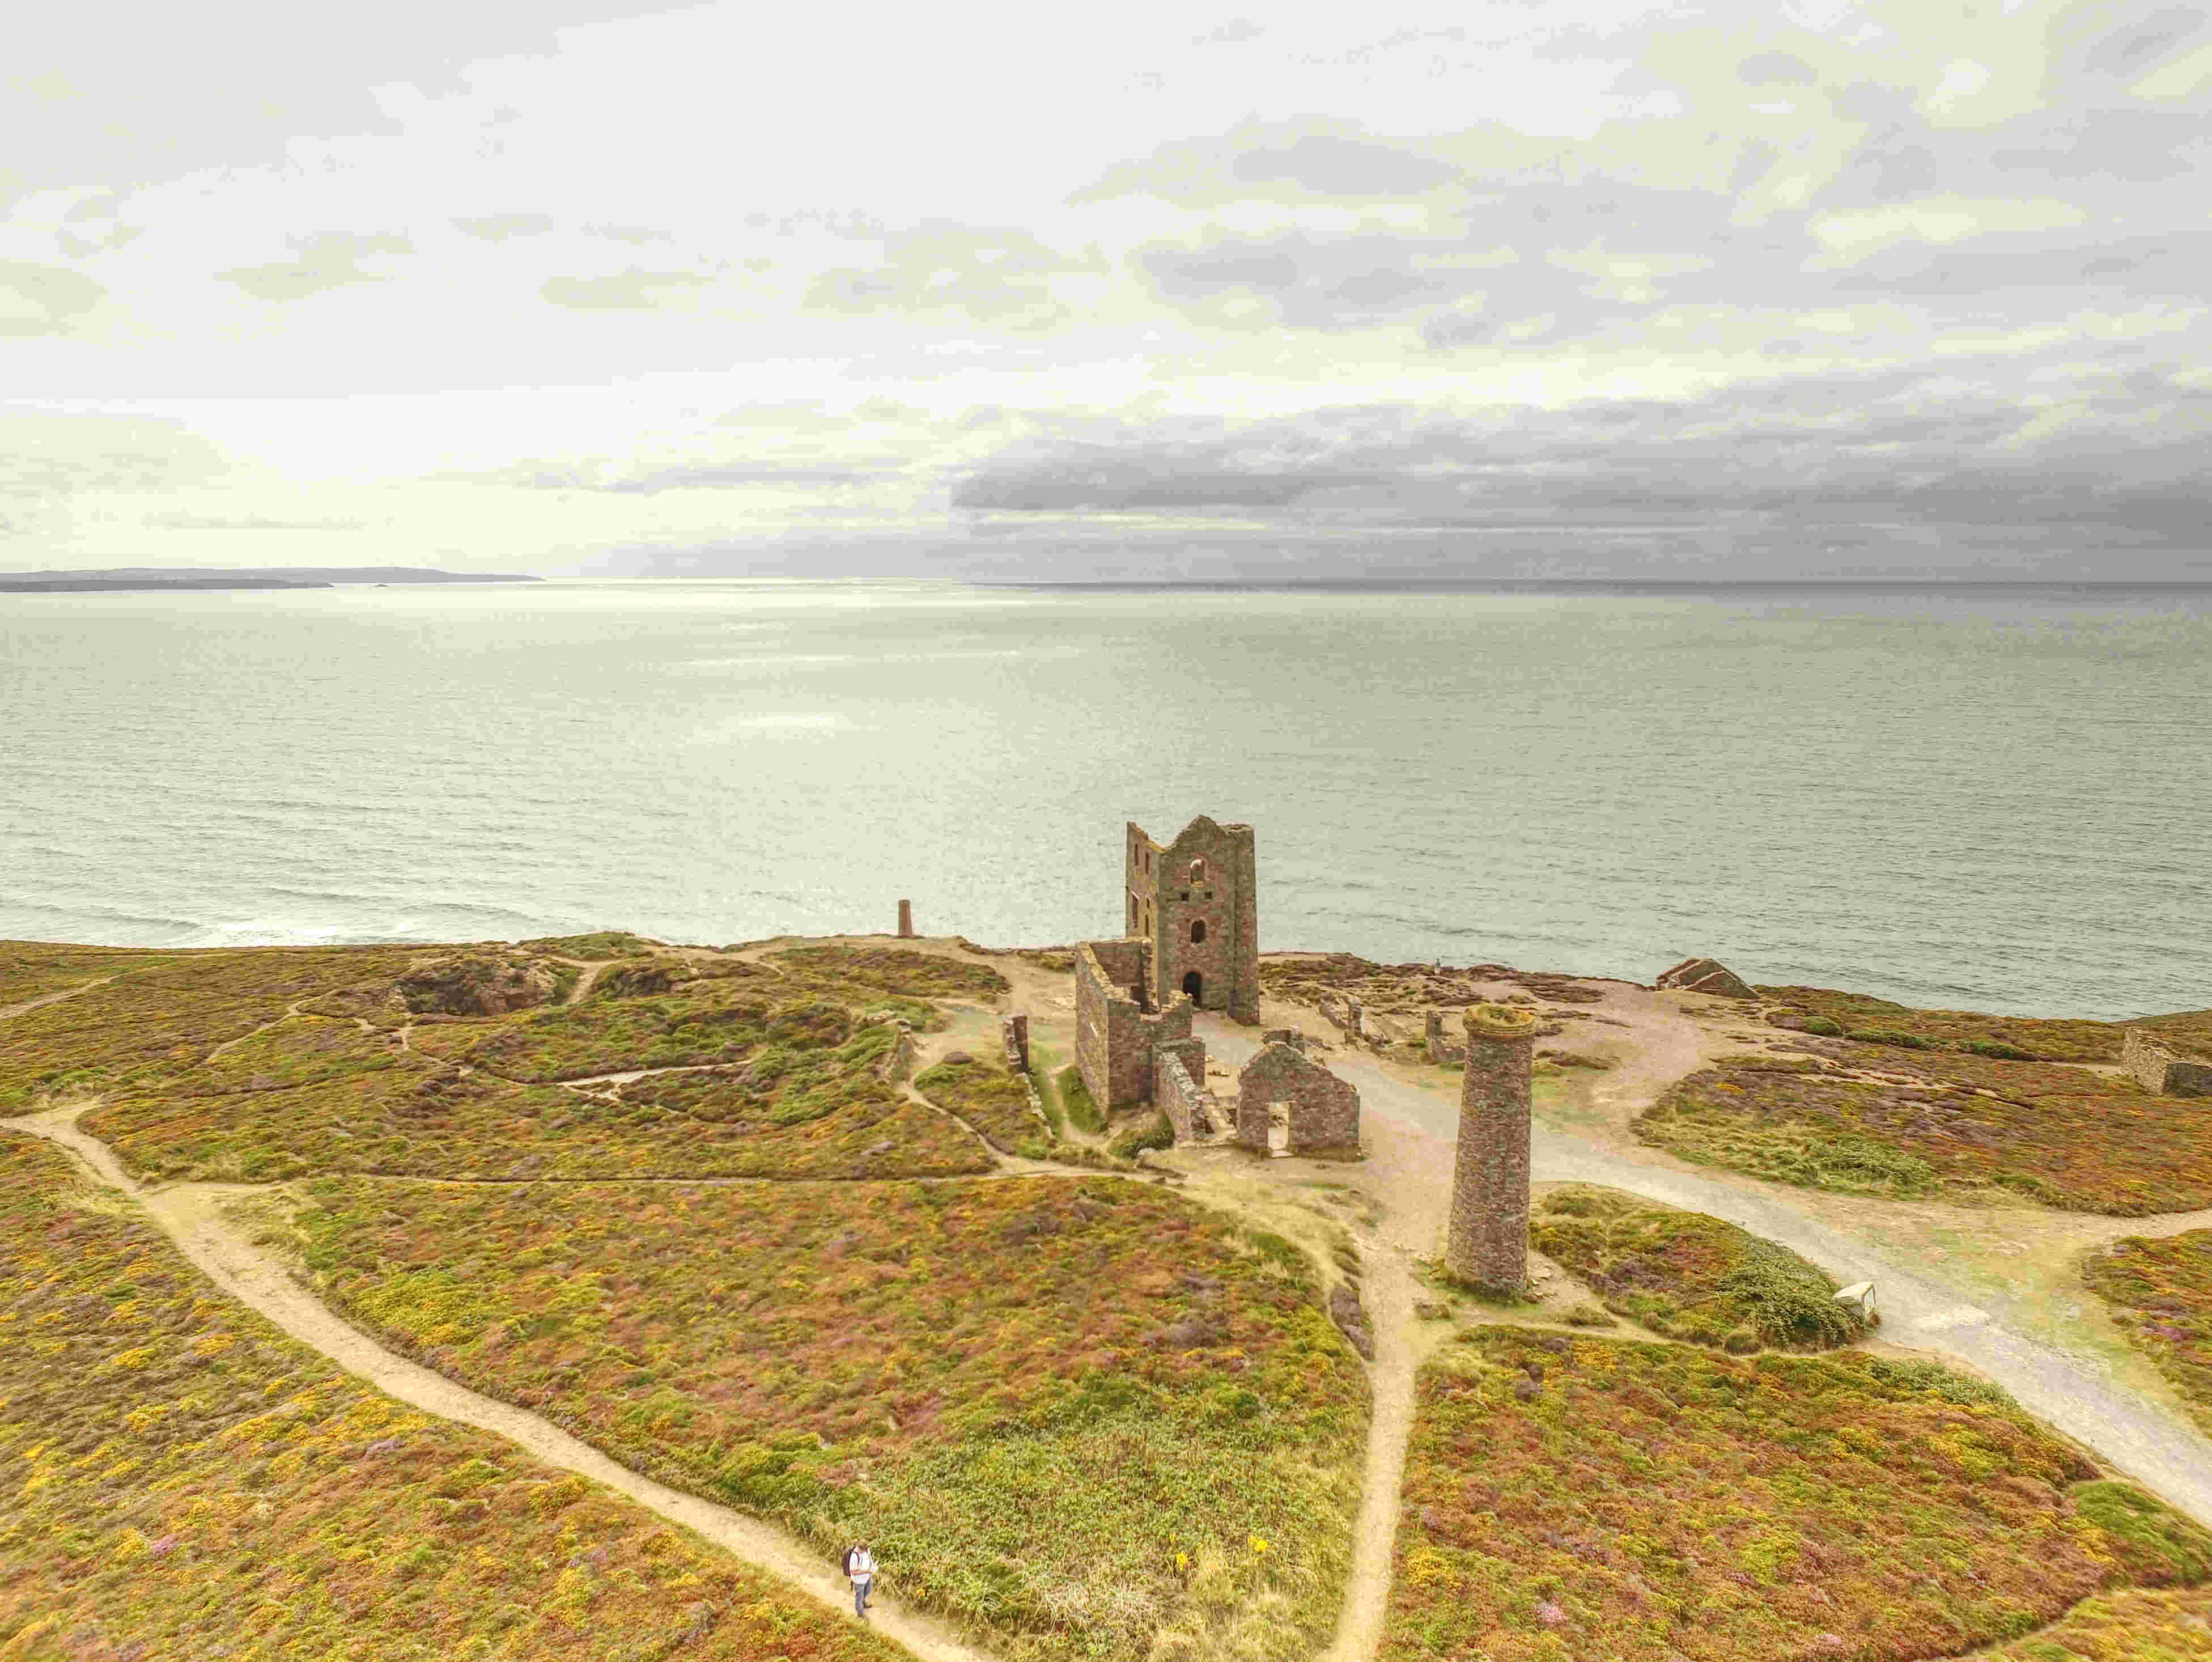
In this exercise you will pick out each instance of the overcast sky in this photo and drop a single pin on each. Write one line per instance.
(1584, 287)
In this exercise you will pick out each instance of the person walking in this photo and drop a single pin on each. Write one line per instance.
(860, 1564)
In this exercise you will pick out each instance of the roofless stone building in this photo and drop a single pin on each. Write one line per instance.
(1193, 901)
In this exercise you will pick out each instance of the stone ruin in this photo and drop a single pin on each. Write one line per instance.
(1014, 1036)
(906, 920)
(1118, 1028)
(2170, 1067)
(1704, 975)
(1486, 1241)
(1194, 902)
(1131, 1054)
(1321, 1111)
(1191, 943)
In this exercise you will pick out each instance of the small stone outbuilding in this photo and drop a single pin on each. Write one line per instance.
(1322, 1110)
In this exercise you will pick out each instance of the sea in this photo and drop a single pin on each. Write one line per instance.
(1993, 798)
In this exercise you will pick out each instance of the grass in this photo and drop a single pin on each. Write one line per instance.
(598, 945)
(182, 1479)
(34, 969)
(1062, 1410)
(1685, 1275)
(1157, 1132)
(1951, 1125)
(2165, 1624)
(419, 1119)
(1572, 1498)
(1083, 1113)
(197, 1071)
(2023, 1038)
(164, 1013)
(992, 1100)
(2160, 1291)
(897, 969)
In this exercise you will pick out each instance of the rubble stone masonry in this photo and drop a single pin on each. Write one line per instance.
(1487, 1238)
(1194, 903)
(2161, 1065)
(1116, 1029)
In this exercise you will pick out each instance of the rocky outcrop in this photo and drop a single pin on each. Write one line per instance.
(1704, 975)
(1350, 1316)
(477, 985)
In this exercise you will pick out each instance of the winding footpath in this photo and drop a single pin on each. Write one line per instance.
(1919, 1311)
(190, 1216)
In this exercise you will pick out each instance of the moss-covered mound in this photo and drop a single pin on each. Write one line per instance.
(991, 1100)
(1685, 1276)
(897, 969)
(1649, 1502)
(2022, 1038)
(2160, 1291)
(1910, 1124)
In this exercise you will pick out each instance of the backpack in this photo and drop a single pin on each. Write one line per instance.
(848, 1560)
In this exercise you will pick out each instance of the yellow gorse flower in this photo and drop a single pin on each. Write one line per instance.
(1258, 1545)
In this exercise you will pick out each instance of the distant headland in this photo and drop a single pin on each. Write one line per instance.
(154, 577)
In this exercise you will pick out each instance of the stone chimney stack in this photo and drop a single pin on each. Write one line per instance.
(906, 920)
(1488, 1243)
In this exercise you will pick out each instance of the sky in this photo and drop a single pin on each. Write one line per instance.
(1581, 289)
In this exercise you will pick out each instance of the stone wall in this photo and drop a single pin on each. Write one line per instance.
(1486, 1240)
(1014, 1040)
(1116, 1030)
(2159, 1064)
(1324, 1110)
(1207, 876)
(1179, 1088)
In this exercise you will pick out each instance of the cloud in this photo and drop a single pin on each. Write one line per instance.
(631, 291)
(43, 300)
(52, 454)
(499, 227)
(332, 261)
(988, 274)
(1904, 447)
(248, 523)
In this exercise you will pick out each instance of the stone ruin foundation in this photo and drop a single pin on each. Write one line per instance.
(1014, 1036)
(1487, 1239)
(2157, 1063)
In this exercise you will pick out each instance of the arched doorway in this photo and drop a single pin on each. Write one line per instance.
(1195, 985)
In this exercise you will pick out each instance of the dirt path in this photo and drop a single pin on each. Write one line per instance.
(192, 1216)
(1387, 1296)
(30, 1004)
(1411, 1156)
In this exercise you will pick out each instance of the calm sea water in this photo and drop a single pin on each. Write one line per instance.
(2001, 802)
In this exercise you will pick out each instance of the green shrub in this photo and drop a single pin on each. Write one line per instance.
(1083, 1113)
(1896, 1039)
(1155, 1133)
(1825, 1026)
(2001, 1050)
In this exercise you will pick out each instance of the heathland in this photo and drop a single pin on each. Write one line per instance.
(775, 1224)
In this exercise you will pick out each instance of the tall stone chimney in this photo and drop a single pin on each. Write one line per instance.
(1487, 1242)
(906, 920)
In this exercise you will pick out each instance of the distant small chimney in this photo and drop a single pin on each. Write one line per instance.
(906, 920)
